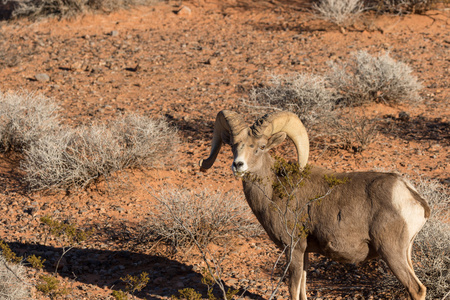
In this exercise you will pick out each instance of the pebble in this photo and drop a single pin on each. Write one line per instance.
(42, 77)
(184, 11)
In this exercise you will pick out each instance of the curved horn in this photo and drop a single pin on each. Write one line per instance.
(290, 124)
(228, 125)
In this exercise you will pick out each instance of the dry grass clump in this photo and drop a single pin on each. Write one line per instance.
(25, 118)
(13, 283)
(339, 12)
(431, 252)
(70, 8)
(77, 157)
(306, 95)
(180, 216)
(365, 78)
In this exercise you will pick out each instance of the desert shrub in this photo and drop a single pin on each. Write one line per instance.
(431, 252)
(352, 129)
(51, 286)
(24, 119)
(70, 8)
(401, 6)
(305, 95)
(74, 158)
(179, 216)
(340, 12)
(365, 78)
(13, 283)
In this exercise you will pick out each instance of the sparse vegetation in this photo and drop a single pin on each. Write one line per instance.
(352, 131)
(13, 282)
(365, 79)
(188, 294)
(208, 215)
(306, 95)
(8, 254)
(134, 284)
(51, 287)
(36, 262)
(74, 158)
(60, 157)
(333, 101)
(24, 119)
(431, 247)
(340, 12)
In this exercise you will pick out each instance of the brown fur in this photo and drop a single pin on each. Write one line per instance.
(352, 224)
(349, 217)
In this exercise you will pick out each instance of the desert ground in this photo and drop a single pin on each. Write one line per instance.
(185, 66)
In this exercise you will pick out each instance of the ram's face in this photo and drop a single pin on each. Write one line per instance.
(248, 151)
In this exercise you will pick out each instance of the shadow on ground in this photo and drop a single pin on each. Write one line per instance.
(417, 128)
(105, 268)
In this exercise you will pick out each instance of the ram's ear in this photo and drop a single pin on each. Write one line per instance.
(276, 140)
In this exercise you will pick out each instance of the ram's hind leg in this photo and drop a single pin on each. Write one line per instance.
(398, 259)
(297, 275)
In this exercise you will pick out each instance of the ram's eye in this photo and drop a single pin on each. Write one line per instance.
(262, 147)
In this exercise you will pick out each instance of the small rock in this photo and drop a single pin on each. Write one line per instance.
(114, 33)
(42, 77)
(184, 11)
(212, 61)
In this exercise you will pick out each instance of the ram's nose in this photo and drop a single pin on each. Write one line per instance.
(238, 167)
(238, 164)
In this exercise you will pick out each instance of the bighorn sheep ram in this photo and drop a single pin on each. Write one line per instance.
(366, 215)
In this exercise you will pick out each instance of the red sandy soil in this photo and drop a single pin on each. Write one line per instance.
(186, 67)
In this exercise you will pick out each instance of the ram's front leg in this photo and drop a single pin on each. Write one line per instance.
(297, 275)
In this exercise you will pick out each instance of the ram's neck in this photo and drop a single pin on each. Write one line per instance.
(258, 186)
(258, 191)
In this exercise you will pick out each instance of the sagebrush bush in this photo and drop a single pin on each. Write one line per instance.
(365, 78)
(13, 282)
(432, 244)
(303, 94)
(25, 118)
(208, 215)
(74, 158)
(431, 251)
(70, 8)
(340, 12)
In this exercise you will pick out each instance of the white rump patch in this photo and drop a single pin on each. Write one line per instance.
(408, 207)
